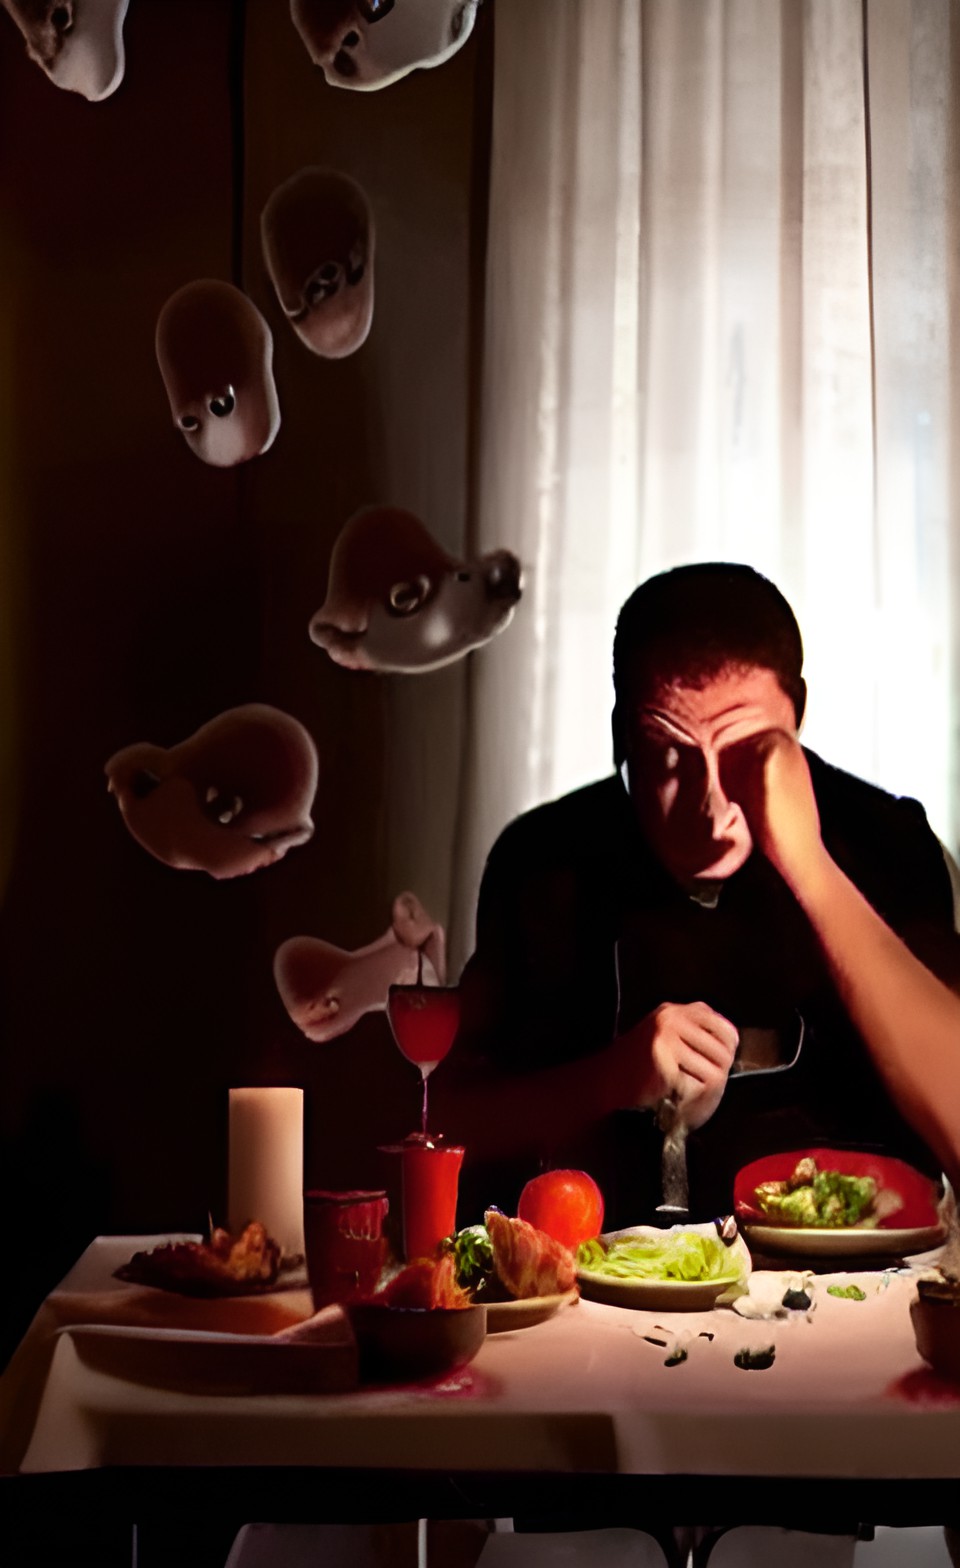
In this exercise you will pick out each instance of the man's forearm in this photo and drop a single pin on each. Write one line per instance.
(909, 1020)
(502, 1116)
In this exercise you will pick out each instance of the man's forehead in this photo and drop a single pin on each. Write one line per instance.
(710, 698)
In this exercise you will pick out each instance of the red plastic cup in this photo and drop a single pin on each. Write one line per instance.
(345, 1244)
(430, 1177)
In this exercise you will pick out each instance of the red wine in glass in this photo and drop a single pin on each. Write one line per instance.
(424, 1020)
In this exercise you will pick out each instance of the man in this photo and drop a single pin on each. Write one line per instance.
(723, 884)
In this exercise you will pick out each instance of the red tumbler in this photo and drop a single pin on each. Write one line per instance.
(430, 1178)
(346, 1247)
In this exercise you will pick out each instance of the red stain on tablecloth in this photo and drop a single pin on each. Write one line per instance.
(466, 1384)
(924, 1387)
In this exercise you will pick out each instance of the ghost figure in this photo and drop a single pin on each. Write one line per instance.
(215, 353)
(234, 797)
(397, 602)
(326, 989)
(365, 44)
(317, 232)
(78, 44)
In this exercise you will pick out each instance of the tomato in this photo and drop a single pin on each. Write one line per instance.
(568, 1205)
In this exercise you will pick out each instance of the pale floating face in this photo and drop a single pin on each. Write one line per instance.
(234, 797)
(676, 739)
(367, 44)
(396, 602)
(78, 44)
(318, 240)
(326, 989)
(422, 626)
(215, 353)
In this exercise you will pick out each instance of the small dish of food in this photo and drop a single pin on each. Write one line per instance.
(522, 1275)
(248, 1264)
(681, 1269)
(837, 1202)
(419, 1324)
(396, 1344)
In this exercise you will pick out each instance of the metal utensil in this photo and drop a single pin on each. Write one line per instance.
(759, 1050)
(674, 1183)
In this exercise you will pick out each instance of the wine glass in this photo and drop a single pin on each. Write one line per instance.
(424, 1020)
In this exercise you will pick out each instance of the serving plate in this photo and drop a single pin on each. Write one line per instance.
(197, 1362)
(884, 1241)
(662, 1295)
(915, 1227)
(291, 1275)
(504, 1315)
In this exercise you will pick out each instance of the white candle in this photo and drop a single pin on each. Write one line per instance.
(266, 1163)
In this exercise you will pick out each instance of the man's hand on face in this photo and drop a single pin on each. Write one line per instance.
(767, 775)
(683, 1049)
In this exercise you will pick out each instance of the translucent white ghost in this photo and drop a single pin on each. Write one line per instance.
(366, 44)
(398, 602)
(78, 44)
(318, 239)
(234, 797)
(326, 989)
(215, 353)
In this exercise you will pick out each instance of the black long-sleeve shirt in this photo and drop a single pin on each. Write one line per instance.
(570, 882)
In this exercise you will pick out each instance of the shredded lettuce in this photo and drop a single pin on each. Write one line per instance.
(681, 1255)
(473, 1255)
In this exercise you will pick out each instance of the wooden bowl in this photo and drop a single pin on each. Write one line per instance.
(936, 1325)
(397, 1344)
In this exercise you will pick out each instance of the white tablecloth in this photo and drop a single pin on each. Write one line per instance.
(847, 1395)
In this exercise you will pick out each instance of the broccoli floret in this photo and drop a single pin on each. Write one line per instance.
(842, 1200)
(473, 1254)
(796, 1208)
(827, 1199)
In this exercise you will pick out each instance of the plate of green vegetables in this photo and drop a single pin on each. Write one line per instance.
(683, 1268)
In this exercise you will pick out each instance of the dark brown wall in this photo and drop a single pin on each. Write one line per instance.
(141, 593)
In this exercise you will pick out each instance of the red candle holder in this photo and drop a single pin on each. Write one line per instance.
(429, 1185)
(345, 1244)
(430, 1179)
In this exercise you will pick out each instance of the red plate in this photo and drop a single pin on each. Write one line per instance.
(920, 1194)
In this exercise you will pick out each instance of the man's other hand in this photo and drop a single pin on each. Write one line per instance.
(683, 1049)
(768, 777)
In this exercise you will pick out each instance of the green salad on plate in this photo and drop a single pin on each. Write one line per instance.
(681, 1254)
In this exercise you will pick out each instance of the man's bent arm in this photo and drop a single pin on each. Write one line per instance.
(909, 1020)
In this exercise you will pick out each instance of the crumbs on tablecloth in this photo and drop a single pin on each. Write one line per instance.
(755, 1360)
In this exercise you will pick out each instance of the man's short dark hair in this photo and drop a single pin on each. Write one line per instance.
(692, 622)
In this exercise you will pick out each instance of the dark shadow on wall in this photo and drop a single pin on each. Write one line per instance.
(150, 592)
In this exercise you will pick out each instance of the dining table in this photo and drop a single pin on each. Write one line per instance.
(590, 1408)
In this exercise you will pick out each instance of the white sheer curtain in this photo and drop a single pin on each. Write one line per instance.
(721, 323)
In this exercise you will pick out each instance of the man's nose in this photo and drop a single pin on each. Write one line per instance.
(716, 803)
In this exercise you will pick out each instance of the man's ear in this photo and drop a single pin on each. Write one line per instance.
(619, 743)
(801, 705)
